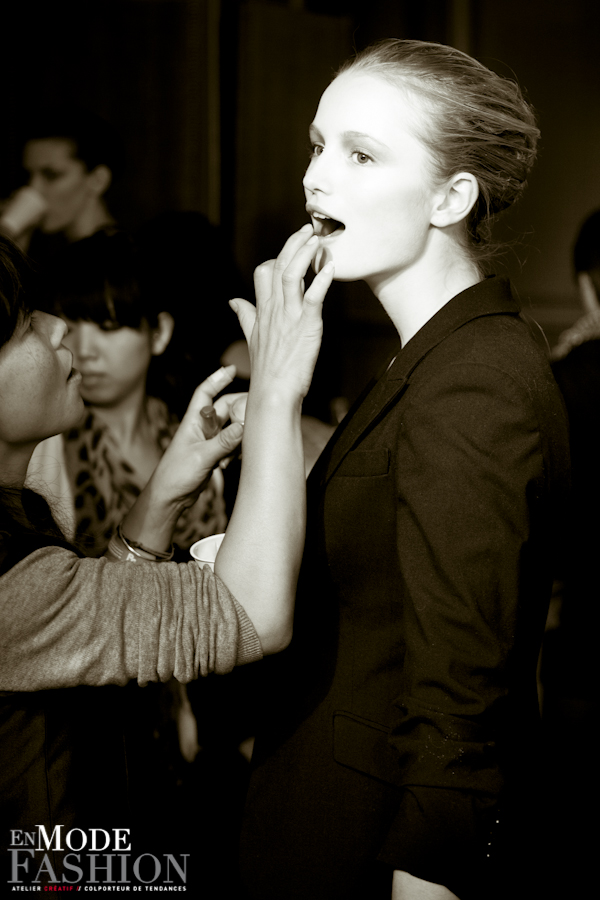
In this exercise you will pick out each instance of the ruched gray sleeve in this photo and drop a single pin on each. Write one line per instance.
(66, 621)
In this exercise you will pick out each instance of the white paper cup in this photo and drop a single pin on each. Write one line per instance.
(25, 209)
(205, 551)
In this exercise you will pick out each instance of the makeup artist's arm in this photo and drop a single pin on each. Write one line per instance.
(260, 557)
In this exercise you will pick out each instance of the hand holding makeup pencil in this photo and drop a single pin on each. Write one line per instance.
(202, 440)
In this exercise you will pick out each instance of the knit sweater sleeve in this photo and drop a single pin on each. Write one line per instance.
(66, 621)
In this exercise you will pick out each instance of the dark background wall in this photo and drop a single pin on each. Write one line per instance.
(213, 99)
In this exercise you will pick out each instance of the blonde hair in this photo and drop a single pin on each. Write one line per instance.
(473, 120)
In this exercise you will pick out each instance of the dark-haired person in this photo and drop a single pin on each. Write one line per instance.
(67, 620)
(117, 333)
(93, 473)
(71, 157)
(398, 753)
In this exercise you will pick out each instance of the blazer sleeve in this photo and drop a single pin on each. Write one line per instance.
(470, 481)
(69, 621)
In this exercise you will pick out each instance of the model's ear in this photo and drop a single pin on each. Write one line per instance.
(587, 292)
(162, 334)
(456, 201)
(100, 179)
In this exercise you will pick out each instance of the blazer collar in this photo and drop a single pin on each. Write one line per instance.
(489, 297)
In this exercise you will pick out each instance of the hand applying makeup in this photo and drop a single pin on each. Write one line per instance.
(283, 352)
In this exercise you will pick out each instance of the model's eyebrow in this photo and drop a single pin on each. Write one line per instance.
(363, 136)
(347, 136)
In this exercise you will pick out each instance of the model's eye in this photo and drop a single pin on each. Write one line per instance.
(361, 158)
(316, 150)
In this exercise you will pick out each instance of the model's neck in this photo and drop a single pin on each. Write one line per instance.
(414, 295)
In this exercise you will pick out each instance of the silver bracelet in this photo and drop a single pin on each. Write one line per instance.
(142, 552)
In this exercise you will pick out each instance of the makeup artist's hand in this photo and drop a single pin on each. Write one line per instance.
(285, 328)
(187, 465)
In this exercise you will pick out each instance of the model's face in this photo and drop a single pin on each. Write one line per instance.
(368, 187)
(39, 389)
(61, 179)
(113, 361)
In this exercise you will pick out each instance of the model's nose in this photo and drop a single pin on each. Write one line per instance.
(318, 175)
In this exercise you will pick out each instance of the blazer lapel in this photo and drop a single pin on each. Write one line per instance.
(372, 406)
(490, 297)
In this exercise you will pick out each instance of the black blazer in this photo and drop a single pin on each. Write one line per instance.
(403, 716)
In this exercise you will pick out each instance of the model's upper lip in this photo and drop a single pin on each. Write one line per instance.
(317, 211)
(323, 223)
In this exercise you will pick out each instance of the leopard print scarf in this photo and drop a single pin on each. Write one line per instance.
(105, 487)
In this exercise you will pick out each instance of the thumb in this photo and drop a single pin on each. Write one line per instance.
(231, 436)
(246, 314)
(221, 445)
(227, 440)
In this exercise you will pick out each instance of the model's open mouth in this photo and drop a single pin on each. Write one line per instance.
(324, 226)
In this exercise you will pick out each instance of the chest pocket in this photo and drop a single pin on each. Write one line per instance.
(365, 463)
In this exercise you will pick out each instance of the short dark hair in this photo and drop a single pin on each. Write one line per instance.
(98, 279)
(95, 142)
(15, 279)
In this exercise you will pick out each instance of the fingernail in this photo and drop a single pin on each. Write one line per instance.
(307, 226)
(313, 240)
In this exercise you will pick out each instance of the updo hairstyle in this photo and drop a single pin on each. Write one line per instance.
(474, 121)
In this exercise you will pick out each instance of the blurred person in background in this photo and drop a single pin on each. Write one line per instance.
(71, 157)
(570, 672)
(187, 266)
